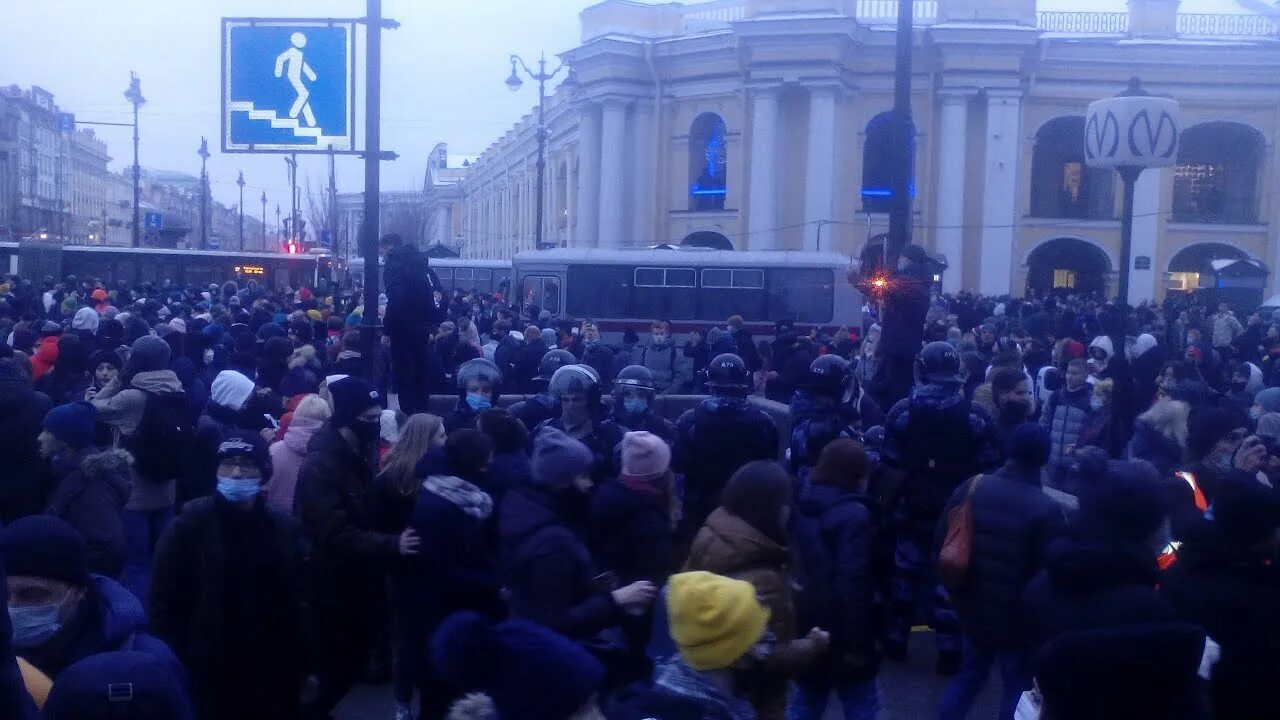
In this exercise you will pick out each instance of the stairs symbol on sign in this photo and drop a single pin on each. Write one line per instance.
(338, 142)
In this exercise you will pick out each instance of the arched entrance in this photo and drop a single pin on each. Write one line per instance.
(1224, 271)
(707, 239)
(1067, 265)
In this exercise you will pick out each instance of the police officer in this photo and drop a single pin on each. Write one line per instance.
(541, 407)
(935, 439)
(720, 435)
(577, 388)
(634, 391)
(478, 381)
(817, 414)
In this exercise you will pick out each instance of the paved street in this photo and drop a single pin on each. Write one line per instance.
(910, 691)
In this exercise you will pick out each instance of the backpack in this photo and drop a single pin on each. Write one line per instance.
(163, 439)
(957, 549)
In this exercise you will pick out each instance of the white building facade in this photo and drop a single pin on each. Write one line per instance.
(762, 125)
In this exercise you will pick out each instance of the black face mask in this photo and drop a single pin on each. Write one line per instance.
(366, 431)
(1239, 384)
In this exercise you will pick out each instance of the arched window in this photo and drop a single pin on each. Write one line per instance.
(708, 163)
(1216, 178)
(878, 158)
(1061, 185)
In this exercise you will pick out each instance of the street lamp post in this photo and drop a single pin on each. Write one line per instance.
(514, 82)
(134, 96)
(204, 194)
(1131, 132)
(279, 236)
(240, 182)
(264, 221)
(292, 162)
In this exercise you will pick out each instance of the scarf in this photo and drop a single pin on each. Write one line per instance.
(470, 499)
(676, 678)
(643, 485)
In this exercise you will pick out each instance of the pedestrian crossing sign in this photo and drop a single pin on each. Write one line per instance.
(287, 85)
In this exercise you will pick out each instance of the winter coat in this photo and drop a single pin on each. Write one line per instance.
(504, 356)
(525, 368)
(670, 368)
(832, 537)
(213, 426)
(287, 457)
(334, 504)
(121, 407)
(547, 567)
(814, 424)
(1089, 582)
(713, 440)
(45, 357)
(1065, 415)
(227, 595)
(1013, 524)
(1225, 329)
(108, 619)
(727, 545)
(1235, 596)
(1159, 437)
(91, 492)
(15, 698)
(603, 442)
(746, 348)
(410, 286)
(507, 471)
(599, 357)
(24, 486)
(631, 532)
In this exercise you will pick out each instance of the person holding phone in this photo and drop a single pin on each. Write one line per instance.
(1221, 451)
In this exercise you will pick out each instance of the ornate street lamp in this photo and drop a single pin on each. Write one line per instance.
(515, 83)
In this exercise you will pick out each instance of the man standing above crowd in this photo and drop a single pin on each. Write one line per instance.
(411, 317)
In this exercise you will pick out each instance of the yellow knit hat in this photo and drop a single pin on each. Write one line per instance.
(714, 620)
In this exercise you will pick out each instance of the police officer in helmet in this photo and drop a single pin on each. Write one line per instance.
(541, 407)
(720, 435)
(634, 391)
(817, 414)
(576, 389)
(935, 439)
(478, 381)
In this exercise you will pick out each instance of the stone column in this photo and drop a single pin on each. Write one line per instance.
(820, 172)
(643, 183)
(949, 237)
(588, 178)
(762, 209)
(1000, 191)
(1146, 233)
(613, 134)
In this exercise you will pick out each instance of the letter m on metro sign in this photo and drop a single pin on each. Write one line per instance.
(288, 85)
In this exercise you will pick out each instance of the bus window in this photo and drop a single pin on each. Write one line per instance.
(484, 280)
(726, 292)
(446, 278)
(598, 291)
(664, 294)
(804, 295)
(543, 291)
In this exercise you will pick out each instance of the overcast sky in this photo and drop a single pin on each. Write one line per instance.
(443, 73)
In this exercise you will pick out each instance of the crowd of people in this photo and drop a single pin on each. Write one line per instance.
(211, 511)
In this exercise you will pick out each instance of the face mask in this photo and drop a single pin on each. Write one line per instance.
(1225, 462)
(635, 406)
(208, 356)
(478, 402)
(238, 490)
(660, 339)
(1238, 384)
(33, 626)
(1255, 413)
(590, 343)
(366, 431)
(1095, 403)
(1017, 408)
(573, 415)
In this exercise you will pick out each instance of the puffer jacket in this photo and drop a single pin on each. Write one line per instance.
(1066, 414)
(91, 494)
(24, 488)
(1160, 436)
(287, 456)
(728, 545)
(1013, 524)
(670, 368)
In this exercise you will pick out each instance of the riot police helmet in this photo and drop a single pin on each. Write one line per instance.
(827, 376)
(574, 378)
(938, 362)
(552, 361)
(727, 372)
(478, 370)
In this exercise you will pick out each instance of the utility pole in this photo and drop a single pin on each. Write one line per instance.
(903, 137)
(264, 221)
(279, 237)
(333, 201)
(204, 194)
(372, 177)
(134, 96)
(293, 197)
(240, 182)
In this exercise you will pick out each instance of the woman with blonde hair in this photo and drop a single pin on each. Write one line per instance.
(289, 452)
(398, 483)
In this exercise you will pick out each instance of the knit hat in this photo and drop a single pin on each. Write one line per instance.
(1269, 400)
(315, 315)
(714, 620)
(1269, 426)
(72, 423)
(99, 295)
(1127, 504)
(531, 672)
(147, 354)
(231, 389)
(1028, 444)
(246, 444)
(351, 396)
(1072, 350)
(118, 686)
(1246, 513)
(299, 381)
(109, 357)
(1206, 426)
(558, 459)
(86, 318)
(50, 329)
(47, 547)
(644, 455)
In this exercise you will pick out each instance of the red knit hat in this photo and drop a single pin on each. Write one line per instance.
(1072, 349)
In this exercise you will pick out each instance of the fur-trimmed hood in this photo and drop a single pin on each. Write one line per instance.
(1169, 418)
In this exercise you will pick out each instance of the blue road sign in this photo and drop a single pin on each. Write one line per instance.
(67, 122)
(153, 221)
(213, 242)
(287, 85)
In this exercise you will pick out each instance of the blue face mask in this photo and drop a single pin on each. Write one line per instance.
(478, 402)
(33, 626)
(1226, 462)
(238, 490)
(635, 406)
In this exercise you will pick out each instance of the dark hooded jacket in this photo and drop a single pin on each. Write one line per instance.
(24, 487)
(91, 492)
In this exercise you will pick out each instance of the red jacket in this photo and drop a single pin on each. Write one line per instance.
(46, 355)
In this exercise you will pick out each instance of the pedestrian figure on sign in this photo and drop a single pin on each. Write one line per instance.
(292, 63)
